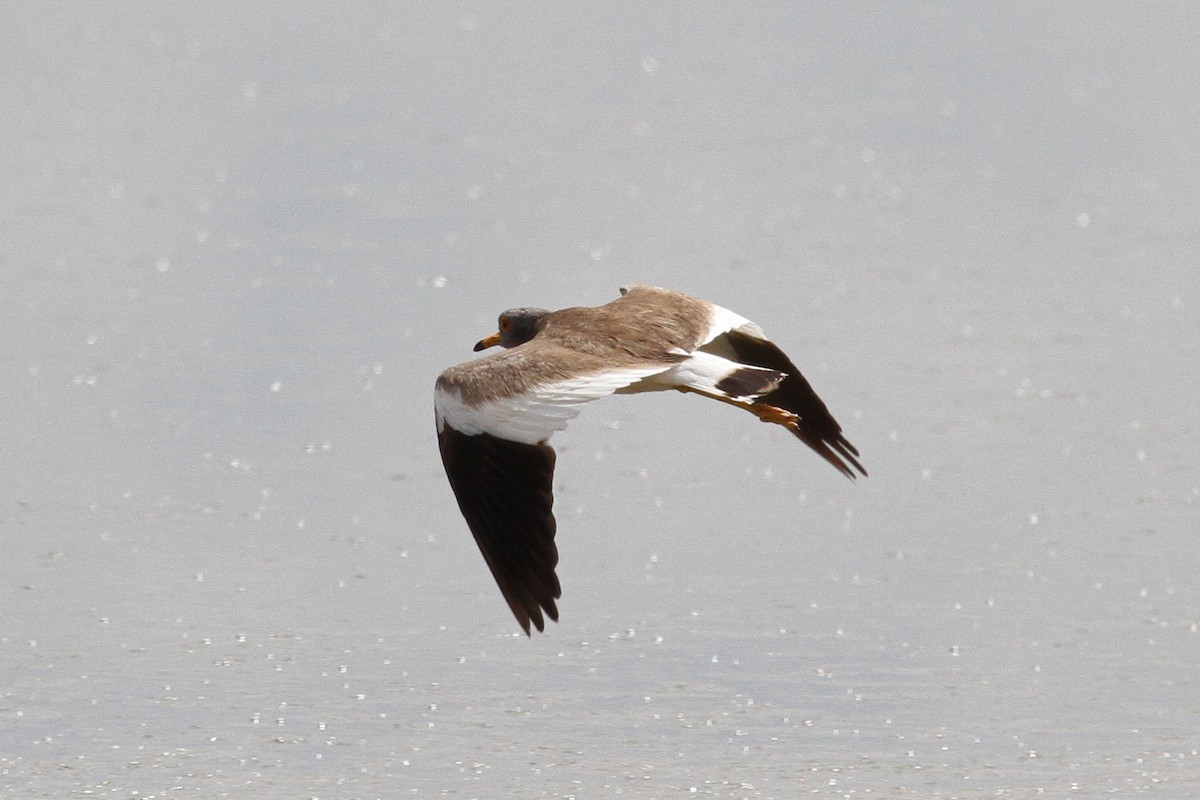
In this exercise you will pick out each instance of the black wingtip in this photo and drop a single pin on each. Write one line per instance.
(814, 425)
(842, 455)
(534, 614)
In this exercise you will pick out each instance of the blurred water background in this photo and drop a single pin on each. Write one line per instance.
(239, 241)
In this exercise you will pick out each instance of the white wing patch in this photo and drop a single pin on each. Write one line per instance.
(701, 372)
(533, 416)
(724, 321)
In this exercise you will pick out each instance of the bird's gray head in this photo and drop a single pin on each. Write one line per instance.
(517, 326)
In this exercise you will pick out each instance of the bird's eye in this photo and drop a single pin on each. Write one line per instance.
(505, 324)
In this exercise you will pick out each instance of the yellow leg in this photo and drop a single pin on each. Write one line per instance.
(776, 415)
(764, 412)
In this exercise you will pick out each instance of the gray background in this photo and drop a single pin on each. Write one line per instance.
(238, 244)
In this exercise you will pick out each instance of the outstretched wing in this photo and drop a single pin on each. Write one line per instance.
(814, 425)
(494, 448)
(504, 490)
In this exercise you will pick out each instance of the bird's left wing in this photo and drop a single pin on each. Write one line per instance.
(494, 417)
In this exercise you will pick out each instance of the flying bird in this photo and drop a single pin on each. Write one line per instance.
(495, 415)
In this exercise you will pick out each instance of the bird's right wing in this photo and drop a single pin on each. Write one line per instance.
(813, 423)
